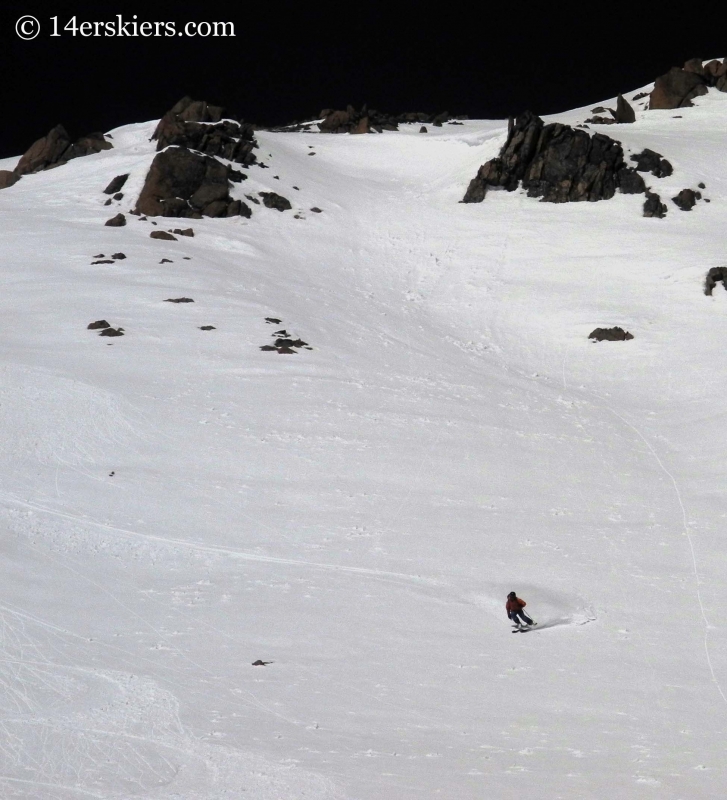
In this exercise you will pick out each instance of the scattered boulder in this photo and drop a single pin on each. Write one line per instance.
(653, 162)
(98, 325)
(610, 335)
(119, 256)
(87, 146)
(686, 199)
(284, 343)
(694, 65)
(423, 129)
(276, 201)
(630, 182)
(116, 222)
(554, 162)
(624, 112)
(116, 184)
(166, 261)
(183, 231)
(653, 207)
(260, 663)
(103, 261)
(8, 178)
(343, 121)
(118, 196)
(273, 321)
(208, 328)
(601, 120)
(112, 332)
(715, 69)
(56, 148)
(181, 183)
(196, 110)
(715, 276)
(163, 235)
(179, 300)
(316, 210)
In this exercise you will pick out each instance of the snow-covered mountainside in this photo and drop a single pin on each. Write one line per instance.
(177, 503)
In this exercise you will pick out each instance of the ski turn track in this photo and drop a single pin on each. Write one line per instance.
(685, 526)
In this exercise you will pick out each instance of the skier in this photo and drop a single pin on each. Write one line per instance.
(514, 608)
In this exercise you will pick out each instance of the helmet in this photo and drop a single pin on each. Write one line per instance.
(512, 594)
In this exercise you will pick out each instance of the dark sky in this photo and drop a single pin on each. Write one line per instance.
(289, 60)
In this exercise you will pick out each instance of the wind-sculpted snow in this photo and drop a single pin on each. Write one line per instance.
(178, 504)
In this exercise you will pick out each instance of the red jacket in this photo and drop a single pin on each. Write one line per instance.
(515, 605)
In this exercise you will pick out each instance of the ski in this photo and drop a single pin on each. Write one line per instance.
(525, 629)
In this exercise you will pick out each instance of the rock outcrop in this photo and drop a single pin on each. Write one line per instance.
(556, 163)
(56, 148)
(366, 120)
(199, 126)
(186, 178)
(181, 183)
(678, 87)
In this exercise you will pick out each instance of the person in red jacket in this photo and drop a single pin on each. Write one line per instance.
(514, 608)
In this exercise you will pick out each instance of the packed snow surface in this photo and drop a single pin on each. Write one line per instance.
(177, 504)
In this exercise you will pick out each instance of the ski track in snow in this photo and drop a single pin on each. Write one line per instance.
(685, 526)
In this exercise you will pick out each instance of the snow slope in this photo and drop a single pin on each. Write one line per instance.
(177, 504)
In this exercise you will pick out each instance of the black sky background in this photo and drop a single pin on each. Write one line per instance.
(289, 60)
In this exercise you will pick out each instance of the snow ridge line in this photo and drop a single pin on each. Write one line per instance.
(697, 576)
